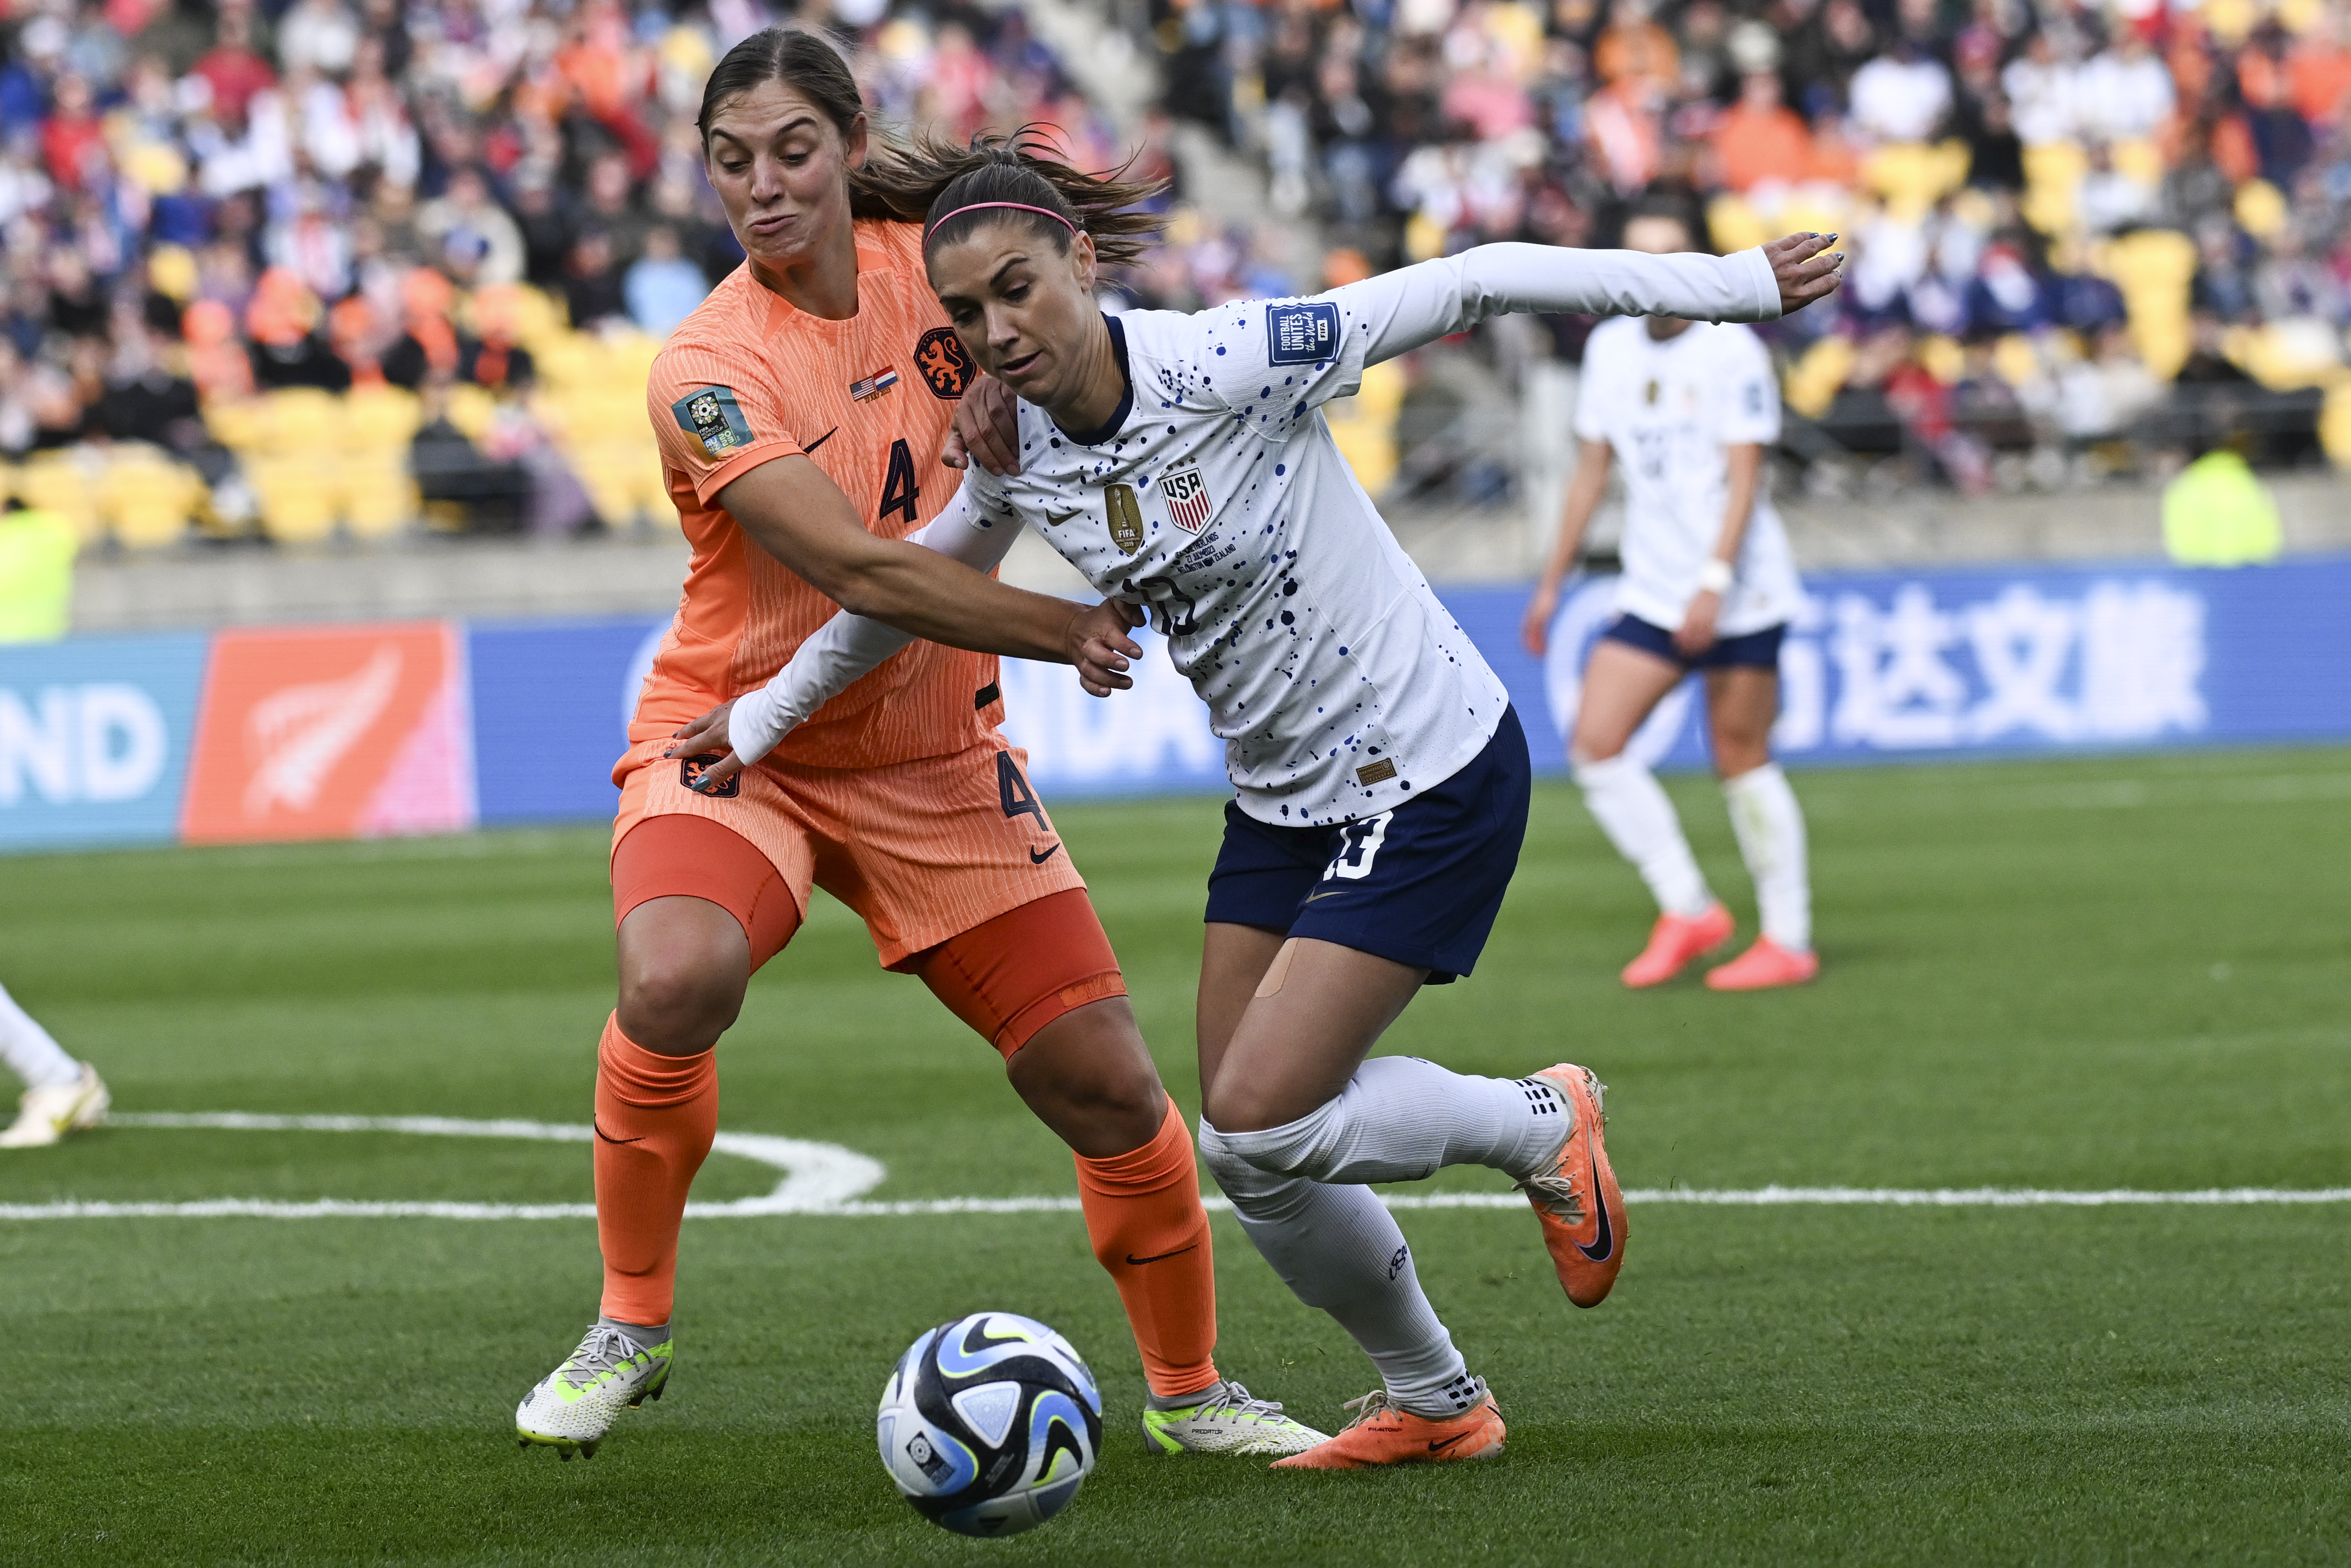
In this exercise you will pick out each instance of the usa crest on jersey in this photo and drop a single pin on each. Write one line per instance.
(1187, 499)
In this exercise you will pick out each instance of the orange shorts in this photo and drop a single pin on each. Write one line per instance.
(952, 864)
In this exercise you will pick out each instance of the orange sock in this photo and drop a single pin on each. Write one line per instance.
(1144, 1215)
(655, 1116)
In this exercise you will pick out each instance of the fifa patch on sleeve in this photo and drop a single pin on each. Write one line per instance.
(712, 415)
(1302, 334)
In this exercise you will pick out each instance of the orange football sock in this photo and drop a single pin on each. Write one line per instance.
(655, 1116)
(1144, 1215)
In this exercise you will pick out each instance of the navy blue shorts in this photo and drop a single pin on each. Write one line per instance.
(1749, 651)
(1420, 885)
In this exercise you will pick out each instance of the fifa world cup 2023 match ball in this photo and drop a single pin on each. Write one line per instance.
(989, 1424)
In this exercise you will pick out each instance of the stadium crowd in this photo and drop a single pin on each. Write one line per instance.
(2069, 223)
(266, 262)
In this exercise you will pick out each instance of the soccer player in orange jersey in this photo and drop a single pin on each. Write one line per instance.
(816, 384)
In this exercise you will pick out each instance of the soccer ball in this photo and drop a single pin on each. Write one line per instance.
(989, 1424)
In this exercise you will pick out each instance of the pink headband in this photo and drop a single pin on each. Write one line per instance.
(1016, 206)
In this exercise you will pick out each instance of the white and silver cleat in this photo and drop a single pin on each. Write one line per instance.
(43, 1116)
(574, 1406)
(1227, 1420)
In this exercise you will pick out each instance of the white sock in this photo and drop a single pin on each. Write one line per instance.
(1338, 1249)
(1771, 829)
(1401, 1119)
(1631, 808)
(30, 1052)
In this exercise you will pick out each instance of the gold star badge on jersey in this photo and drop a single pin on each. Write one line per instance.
(1649, 394)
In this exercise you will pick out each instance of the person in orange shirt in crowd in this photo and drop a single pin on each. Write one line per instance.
(801, 412)
(1761, 139)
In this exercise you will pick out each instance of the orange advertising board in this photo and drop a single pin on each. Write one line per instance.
(331, 732)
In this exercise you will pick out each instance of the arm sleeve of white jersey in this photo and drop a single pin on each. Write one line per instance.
(1400, 310)
(847, 646)
(1748, 405)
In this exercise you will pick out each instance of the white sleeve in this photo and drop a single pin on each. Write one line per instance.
(1271, 360)
(1401, 310)
(847, 646)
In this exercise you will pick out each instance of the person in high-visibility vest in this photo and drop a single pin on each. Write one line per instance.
(2216, 512)
(37, 556)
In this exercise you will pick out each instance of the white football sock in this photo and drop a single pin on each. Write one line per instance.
(1771, 829)
(1338, 1249)
(1631, 808)
(30, 1052)
(1401, 1119)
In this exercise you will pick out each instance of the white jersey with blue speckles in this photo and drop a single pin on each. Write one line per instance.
(1337, 679)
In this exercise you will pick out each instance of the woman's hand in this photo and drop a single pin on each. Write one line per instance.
(704, 735)
(1541, 610)
(1101, 648)
(987, 425)
(1804, 272)
(1697, 633)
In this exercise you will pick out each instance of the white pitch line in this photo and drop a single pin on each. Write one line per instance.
(827, 1181)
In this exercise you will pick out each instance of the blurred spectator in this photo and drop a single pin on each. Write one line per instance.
(663, 287)
(1759, 139)
(1903, 95)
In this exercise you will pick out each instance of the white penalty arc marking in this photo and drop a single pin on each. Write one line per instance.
(827, 1180)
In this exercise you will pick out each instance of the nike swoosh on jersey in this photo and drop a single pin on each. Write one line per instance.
(1333, 893)
(820, 441)
(608, 1138)
(1057, 517)
(1156, 1257)
(1605, 1242)
(1036, 859)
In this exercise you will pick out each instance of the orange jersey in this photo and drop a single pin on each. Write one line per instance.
(746, 379)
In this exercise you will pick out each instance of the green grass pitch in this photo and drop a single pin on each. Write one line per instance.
(2122, 972)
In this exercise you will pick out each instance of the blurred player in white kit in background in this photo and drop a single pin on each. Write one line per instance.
(1710, 585)
(61, 1095)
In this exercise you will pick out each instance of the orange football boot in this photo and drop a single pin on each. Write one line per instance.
(1383, 1435)
(1762, 966)
(1582, 1212)
(1674, 940)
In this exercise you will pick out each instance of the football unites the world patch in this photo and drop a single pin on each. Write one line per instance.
(1125, 516)
(1302, 334)
(1187, 499)
(714, 417)
(875, 385)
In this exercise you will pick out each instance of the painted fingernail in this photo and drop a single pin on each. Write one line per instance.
(1832, 238)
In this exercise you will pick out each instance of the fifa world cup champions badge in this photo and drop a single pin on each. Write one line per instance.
(1125, 516)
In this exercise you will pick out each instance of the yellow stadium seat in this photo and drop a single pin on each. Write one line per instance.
(2334, 424)
(566, 359)
(2285, 356)
(378, 496)
(1734, 226)
(539, 320)
(2261, 209)
(297, 494)
(2016, 358)
(1813, 382)
(1912, 176)
(1943, 358)
(148, 499)
(241, 425)
(303, 420)
(58, 482)
(379, 419)
(471, 409)
(2052, 179)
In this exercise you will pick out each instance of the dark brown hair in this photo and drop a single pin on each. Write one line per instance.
(908, 179)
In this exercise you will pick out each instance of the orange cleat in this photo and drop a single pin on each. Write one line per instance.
(1674, 940)
(1762, 966)
(1582, 1212)
(1381, 1434)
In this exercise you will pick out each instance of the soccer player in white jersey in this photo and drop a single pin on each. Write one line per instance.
(61, 1095)
(1181, 463)
(1710, 585)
